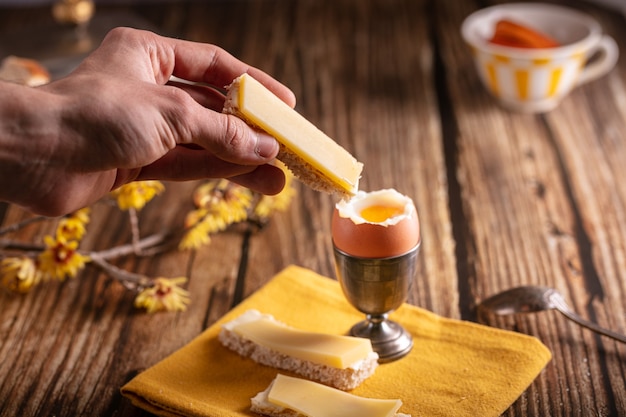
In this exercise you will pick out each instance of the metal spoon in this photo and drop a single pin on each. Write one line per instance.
(530, 299)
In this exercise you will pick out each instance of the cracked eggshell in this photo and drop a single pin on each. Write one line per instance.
(366, 238)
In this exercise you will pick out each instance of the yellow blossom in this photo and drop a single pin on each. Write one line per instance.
(164, 295)
(194, 217)
(195, 237)
(225, 199)
(199, 233)
(234, 207)
(220, 203)
(210, 191)
(137, 194)
(81, 215)
(71, 228)
(19, 274)
(279, 202)
(60, 259)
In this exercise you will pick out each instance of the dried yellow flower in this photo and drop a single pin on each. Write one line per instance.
(71, 228)
(220, 203)
(60, 259)
(19, 274)
(279, 202)
(196, 236)
(164, 295)
(137, 194)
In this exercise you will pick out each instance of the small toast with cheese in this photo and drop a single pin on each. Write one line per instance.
(313, 158)
(343, 362)
(294, 397)
(23, 71)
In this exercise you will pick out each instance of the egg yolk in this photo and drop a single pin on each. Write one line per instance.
(378, 214)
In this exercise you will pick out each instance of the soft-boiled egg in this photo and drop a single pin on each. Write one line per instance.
(377, 224)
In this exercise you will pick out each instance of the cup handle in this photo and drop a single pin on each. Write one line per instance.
(609, 52)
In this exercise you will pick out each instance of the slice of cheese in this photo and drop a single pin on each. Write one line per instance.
(327, 349)
(262, 108)
(317, 400)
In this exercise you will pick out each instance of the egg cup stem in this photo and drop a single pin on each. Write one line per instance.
(376, 287)
(389, 339)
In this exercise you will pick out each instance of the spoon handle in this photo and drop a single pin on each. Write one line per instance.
(589, 325)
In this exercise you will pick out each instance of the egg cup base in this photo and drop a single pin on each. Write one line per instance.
(389, 339)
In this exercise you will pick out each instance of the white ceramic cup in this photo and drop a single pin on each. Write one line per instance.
(535, 80)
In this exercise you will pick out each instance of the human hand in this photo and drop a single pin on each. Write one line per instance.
(118, 118)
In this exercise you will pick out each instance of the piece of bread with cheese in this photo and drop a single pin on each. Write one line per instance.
(294, 397)
(343, 362)
(312, 156)
(23, 71)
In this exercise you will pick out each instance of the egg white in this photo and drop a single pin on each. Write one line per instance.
(353, 207)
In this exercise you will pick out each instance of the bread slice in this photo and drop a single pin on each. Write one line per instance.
(294, 397)
(321, 365)
(23, 71)
(313, 158)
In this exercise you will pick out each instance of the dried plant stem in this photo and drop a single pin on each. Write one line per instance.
(19, 225)
(134, 229)
(130, 280)
(6, 244)
(140, 247)
(148, 246)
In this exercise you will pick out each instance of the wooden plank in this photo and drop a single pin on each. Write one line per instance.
(538, 215)
(379, 105)
(504, 199)
(60, 332)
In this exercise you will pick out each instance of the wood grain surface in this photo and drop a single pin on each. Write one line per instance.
(504, 199)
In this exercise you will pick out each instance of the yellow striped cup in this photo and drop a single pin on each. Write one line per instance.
(535, 80)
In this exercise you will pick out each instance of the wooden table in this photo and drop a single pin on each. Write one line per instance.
(504, 199)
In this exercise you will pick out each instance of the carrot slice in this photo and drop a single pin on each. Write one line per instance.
(509, 33)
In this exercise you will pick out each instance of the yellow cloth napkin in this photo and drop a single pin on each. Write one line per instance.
(456, 368)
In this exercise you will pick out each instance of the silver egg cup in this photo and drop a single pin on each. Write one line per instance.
(377, 287)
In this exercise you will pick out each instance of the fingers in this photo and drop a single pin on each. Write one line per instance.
(181, 122)
(224, 135)
(239, 140)
(265, 179)
(214, 66)
(206, 96)
(229, 138)
(200, 62)
(184, 164)
(156, 58)
(229, 148)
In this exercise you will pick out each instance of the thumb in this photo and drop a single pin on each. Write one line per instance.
(232, 140)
